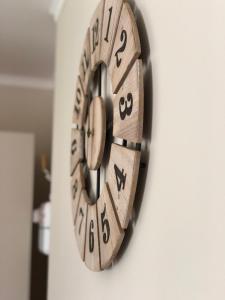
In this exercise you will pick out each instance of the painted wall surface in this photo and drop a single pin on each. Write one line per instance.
(175, 249)
(16, 199)
(28, 109)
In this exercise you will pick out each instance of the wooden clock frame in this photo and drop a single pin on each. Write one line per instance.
(112, 38)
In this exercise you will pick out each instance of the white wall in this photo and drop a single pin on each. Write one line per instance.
(16, 199)
(176, 250)
(26, 109)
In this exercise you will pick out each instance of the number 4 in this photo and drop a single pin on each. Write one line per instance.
(120, 178)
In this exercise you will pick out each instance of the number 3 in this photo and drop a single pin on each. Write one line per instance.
(128, 106)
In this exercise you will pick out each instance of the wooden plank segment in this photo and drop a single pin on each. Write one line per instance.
(77, 185)
(110, 233)
(80, 105)
(128, 106)
(122, 175)
(95, 35)
(80, 224)
(92, 251)
(111, 16)
(95, 133)
(85, 64)
(126, 48)
(77, 148)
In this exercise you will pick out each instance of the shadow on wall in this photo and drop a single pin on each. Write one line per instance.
(148, 105)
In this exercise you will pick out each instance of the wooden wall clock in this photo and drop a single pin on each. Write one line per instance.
(112, 39)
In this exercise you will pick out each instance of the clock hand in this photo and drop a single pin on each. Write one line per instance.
(99, 169)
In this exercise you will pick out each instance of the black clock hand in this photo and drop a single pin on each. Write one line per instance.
(99, 169)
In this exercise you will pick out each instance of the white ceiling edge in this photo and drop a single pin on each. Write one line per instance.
(56, 8)
(26, 82)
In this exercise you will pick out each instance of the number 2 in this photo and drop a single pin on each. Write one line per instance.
(123, 39)
(120, 178)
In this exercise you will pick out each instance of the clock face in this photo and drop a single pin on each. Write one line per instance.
(106, 139)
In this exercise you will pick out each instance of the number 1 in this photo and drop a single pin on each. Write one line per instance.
(107, 33)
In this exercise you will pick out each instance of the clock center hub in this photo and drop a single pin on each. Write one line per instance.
(95, 133)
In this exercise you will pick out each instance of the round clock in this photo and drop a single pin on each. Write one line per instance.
(100, 221)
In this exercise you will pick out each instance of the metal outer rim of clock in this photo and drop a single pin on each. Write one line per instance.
(112, 39)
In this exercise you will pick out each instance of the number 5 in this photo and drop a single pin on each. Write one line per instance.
(105, 226)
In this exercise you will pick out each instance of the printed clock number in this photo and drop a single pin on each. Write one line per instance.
(123, 39)
(74, 146)
(120, 178)
(78, 101)
(126, 106)
(85, 63)
(81, 213)
(91, 237)
(75, 188)
(105, 226)
(109, 21)
(95, 35)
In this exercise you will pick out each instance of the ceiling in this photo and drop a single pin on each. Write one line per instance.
(27, 32)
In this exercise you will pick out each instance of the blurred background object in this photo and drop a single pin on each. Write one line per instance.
(16, 194)
(27, 34)
(42, 215)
